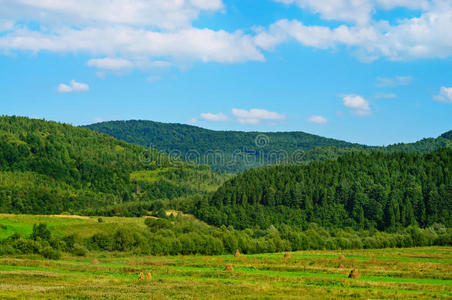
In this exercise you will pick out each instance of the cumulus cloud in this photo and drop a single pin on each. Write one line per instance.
(168, 14)
(358, 105)
(426, 36)
(445, 95)
(255, 116)
(356, 11)
(129, 34)
(190, 44)
(74, 86)
(318, 119)
(393, 81)
(220, 117)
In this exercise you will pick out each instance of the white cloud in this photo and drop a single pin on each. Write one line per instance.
(356, 11)
(6, 25)
(318, 119)
(392, 82)
(112, 64)
(220, 117)
(411, 4)
(121, 64)
(168, 14)
(188, 44)
(193, 121)
(357, 104)
(445, 95)
(128, 33)
(385, 96)
(426, 36)
(74, 86)
(255, 116)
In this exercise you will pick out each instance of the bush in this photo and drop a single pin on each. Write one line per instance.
(50, 253)
(79, 250)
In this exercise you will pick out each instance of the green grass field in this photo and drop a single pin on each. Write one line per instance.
(413, 273)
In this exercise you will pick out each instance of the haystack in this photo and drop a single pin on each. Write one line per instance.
(287, 255)
(354, 274)
(342, 258)
(141, 276)
(229, 268)
(95, 261)
(237, 253)
(341, 266)
(148, 276)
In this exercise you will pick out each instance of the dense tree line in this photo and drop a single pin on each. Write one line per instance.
(48, 168)
(181, 235)
(363, 191)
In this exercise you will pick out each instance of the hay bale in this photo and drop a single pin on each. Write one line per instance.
(287, 255)
(341, 266)
(237, 253)
(95, 261)
(342, 258)
(229, 268)
(141, 276)
(148, 276)
(354, 274)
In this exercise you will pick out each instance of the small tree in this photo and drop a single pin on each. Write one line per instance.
(40, 231)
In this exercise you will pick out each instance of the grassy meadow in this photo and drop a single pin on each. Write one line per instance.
(412, 273)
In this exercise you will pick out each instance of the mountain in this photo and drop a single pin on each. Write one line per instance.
(235, 151)
(223, 150)
(48, 168)
(447, 135)
(384, 191)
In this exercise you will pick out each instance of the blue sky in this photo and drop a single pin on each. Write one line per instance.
(368, 71)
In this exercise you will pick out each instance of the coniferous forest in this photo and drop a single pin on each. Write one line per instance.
(363, 191)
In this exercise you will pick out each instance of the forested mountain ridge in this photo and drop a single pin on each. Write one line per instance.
(447, 135)
(223, 150)
(364, 191)
(235, 151)
(48, 167)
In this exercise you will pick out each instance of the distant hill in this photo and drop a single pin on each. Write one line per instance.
(447, 135)
(235, 151)
(48, 167)
(223, 150)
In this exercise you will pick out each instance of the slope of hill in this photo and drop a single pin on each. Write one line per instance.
(447, 135)
(47, 167)
(235, 151)
(222, 150)
(364, 191)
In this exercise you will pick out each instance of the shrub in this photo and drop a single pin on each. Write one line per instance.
(79, 250)
(50, 253)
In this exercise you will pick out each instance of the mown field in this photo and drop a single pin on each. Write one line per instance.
(412, 273)
(423, 273)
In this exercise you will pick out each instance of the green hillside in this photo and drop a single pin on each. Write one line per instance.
(223, 150)
(358, 190)
(235, 151)
(47, 168)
